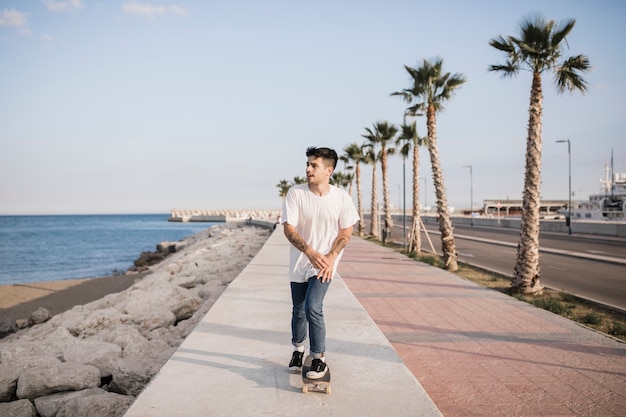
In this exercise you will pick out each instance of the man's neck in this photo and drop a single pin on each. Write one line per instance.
(320, 189)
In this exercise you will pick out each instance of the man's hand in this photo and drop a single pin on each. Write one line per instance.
(318, 260)
(324, 263)
(326, 273)
(340, 242)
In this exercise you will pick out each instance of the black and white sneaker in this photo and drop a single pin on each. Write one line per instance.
(318, 369)
(295, 366)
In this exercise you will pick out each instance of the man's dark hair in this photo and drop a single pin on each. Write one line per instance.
(328, 155)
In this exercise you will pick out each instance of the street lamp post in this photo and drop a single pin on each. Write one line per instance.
(404, 202)
(569, 203)
(471, 194)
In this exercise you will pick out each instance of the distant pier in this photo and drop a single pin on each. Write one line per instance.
(178, 215)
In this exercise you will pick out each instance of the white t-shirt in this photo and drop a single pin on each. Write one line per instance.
(317, 220)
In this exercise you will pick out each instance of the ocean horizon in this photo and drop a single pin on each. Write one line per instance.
(40, 248)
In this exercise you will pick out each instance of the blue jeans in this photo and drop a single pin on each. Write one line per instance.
(308, 300)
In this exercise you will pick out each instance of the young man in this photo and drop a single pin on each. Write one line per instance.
(318, 220)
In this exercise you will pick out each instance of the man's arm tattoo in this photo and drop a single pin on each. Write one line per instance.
(294, 238)
(341, 241)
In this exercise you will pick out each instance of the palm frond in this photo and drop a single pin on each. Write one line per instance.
(406, 139)
(406, 95)
(508, 70)
(567, 76)
(416, 110)
(502, 44)
(561, 33)
(353, 152)
(539, 48)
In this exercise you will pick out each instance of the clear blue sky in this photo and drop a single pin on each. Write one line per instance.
(144, 106)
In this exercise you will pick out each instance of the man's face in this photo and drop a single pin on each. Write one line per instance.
(316, 171)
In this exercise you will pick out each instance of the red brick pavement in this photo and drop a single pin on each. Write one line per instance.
(478, 352)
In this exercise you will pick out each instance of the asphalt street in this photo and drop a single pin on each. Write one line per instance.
(591, 267)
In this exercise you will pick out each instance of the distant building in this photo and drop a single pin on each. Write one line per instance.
(514, 207)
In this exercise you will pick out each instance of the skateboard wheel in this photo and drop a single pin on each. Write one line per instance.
(328, 389)
(305, 389)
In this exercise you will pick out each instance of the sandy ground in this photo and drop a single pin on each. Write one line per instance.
(20, 300)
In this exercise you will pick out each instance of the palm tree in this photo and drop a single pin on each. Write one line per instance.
(431, 89)
(299, 180)
(354, 153)
(349, 175)
(371, 157)
(382, 134)
(283, 186)
(341, 179)
(348, 179)
(538, 49)
(409, 139)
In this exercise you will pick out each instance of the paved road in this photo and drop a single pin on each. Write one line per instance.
(589, 266)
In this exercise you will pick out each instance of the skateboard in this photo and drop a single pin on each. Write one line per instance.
(314, 385)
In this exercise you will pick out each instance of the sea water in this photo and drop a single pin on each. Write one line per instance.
(53, 248)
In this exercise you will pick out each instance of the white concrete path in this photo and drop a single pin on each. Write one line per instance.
(235, 362)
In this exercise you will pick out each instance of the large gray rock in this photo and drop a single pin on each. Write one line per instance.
(186, 281)
(21, 408)
(45, 380)
(10, 373)
(107, 404)
(68, 318)
(57, 340)
(41, 315)
(103, 356)
(147, 259)
(7, 326)
(181, 302)
(88, 325)
(154, 319)
(154, 349)
(133, 374)
(129, 338)
(49, 405)
(167, 248)
(107, 301)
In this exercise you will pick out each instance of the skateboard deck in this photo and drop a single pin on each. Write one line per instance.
(315, 385)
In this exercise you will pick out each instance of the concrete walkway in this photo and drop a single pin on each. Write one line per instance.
(475, 351)
(478, 352)
(235, 362)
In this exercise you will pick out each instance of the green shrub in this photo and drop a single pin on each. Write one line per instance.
(591, 318)
(617, 329)
(552, 305)
(431, 260)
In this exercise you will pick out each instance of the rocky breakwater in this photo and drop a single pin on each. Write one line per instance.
(94, 359)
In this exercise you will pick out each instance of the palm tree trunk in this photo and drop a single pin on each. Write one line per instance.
(359, 198)
(445, 225)
(386, 196)
(374, 210)
(416, 236)
(526, 275)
